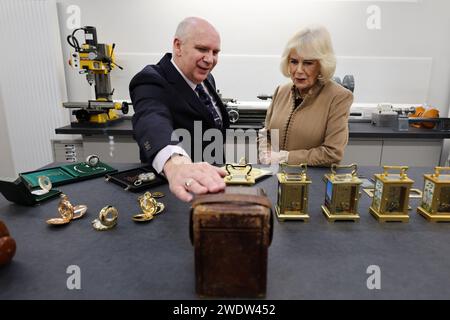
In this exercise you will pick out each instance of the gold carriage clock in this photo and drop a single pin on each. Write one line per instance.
(391, 195)
(435, 205)
(239, 174)
(292, 202)
(342, 194)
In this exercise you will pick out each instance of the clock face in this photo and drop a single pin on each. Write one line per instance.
(292, 197)
(296, 201)
(377, 194)
(343, 199)
(427, 197)
(444, 200)
(395, 198)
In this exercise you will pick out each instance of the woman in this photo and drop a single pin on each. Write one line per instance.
(311, 112)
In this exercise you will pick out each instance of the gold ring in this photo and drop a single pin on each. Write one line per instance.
(67, 211)
(104, 222)
(108, 221)
(57, 221)
(188, 182)
(147, 203)
(157, 194)
(65, 208)
(79, 211)
(159, 207)
(149, 207)
(142, 217)
(46, 185)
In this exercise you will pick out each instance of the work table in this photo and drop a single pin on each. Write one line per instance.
(313, 260)
(356, 130)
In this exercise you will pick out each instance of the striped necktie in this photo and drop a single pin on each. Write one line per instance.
(206, 100)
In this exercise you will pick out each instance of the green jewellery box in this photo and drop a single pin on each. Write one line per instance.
(66, 174)
(20, 191)
(17, 192)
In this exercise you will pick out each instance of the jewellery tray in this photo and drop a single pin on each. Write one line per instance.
(126, 179)
(66, 174)
(17, 192)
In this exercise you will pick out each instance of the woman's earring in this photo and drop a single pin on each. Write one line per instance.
(321, 78)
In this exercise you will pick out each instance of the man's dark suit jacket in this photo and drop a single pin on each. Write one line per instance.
(163, 102)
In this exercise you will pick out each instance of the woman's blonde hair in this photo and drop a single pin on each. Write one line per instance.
(311, 43)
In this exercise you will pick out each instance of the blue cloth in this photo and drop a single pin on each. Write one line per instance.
(206, 100)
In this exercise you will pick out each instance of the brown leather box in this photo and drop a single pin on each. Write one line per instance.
(231, 233)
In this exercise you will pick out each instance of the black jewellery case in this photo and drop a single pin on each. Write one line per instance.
(128, 179)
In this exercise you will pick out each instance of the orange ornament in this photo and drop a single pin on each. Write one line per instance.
(417, 114)
(7, 245)
(430, 113)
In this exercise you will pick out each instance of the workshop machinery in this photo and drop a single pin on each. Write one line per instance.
(96, 61)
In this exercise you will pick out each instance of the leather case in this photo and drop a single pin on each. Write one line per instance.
(231, 233)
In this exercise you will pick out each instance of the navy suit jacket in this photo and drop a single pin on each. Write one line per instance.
(163, 102)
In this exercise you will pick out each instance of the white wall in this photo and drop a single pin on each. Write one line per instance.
(406, 61)
(6, 161)
(31, 83)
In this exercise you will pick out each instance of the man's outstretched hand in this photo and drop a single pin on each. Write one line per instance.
(187, 178)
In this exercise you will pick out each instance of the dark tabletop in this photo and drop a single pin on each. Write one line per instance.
(313, 260)
(356, 130)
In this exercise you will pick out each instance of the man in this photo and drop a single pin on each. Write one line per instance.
(172, 95)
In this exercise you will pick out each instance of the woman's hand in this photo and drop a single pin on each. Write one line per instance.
(273, 157)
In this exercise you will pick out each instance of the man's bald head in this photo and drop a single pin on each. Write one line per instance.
(190, 25)
(196, 47)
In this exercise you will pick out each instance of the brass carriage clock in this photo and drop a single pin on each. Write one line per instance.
(292, 202)
(239, 174)
(391, 195)
(435, 205)
(342, 194)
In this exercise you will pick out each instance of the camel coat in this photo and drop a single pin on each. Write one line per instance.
(316, 131)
